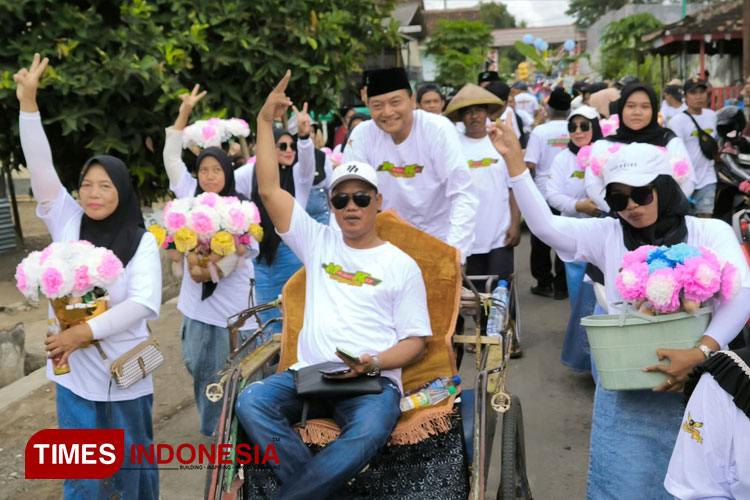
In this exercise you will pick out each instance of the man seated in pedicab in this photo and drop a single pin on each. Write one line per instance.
(363, 295)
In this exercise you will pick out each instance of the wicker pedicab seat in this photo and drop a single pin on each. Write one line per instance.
(425, 456)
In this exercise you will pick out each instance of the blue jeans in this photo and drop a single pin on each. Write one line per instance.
(134, 416)
(205, 349)
(269, 280)
(268, 409)
(704, 199)
(317, 205)
(576, 352)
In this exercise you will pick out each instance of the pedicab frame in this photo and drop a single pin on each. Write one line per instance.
(492, 357)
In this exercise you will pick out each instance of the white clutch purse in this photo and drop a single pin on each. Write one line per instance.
(136, 364)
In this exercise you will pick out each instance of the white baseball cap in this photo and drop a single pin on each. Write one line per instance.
(354, 170)
(585, 111)
(636, 165)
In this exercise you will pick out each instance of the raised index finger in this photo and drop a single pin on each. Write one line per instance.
(281, 86)
(304, 108)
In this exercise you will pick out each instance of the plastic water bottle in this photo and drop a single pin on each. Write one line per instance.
(426, 397)
(438, 383)
(54, 329)
(499, 309)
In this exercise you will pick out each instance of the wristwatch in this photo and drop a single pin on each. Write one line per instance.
(705, 350)
(376, 371)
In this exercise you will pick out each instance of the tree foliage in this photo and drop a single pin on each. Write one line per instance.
(587, 12)
(460, 49)
(622, 47)
(116, 68)
(496, 15)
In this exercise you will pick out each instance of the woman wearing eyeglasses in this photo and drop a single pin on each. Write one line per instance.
(638, 109)
(633, 432)
(206, 305)
(566, 192)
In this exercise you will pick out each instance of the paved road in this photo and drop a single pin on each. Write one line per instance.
(556, 406)
(556, 402)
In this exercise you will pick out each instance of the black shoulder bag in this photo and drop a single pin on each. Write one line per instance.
(709, 146)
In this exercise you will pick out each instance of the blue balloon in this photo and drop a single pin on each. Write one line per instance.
(544, 46)
(569, 45)
(528, 39)
(538, 43)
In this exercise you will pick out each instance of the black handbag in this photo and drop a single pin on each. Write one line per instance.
(709, 146)
(310, 383)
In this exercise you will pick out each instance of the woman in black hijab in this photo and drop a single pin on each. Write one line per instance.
(638, 109)
(108, 216)
(650, 210)
(206, 305)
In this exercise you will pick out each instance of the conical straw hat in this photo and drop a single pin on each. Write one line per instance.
(472, 95)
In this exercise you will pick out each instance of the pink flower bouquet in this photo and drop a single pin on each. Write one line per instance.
(208, 133)
(206, 224)
(670, 279)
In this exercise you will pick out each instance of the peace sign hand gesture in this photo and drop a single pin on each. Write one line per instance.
(190, 100)
(277, 102)
(304, 122)
(28, 82)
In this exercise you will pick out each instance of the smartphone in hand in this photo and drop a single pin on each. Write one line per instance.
(351, 357)
(335, 369)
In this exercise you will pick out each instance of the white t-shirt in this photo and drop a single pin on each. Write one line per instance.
(514, 120)
(490, 176)
(595, 184)
(545, 142)
(717, 466)
(566, 185)
(527, 102)
(232, 293)
(361, 300)
(425, 178)
(683, 126)
(667, 112)
(304, 173)
(140, 282)
(527, 119)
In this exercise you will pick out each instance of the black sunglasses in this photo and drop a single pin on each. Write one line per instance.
(284, 145)
(584, 126)
(641, 195)
(341, 200)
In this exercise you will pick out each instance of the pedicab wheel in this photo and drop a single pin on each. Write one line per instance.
(514, 484)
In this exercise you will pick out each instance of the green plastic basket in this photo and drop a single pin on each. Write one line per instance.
(624, 344)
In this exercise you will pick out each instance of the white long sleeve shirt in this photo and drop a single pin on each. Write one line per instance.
(425, 178)
(566, 185)
(600, 241)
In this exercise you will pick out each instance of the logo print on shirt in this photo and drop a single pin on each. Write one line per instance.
(691, 427)
(558, 142)
(486, 162)
(407, 171)
(708, 131)
(358, 278)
